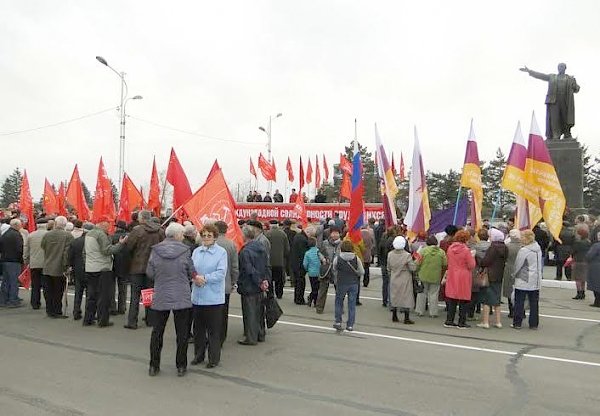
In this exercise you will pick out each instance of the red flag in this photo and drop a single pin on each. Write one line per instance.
(154, 194)
(300, 210)
(104, 203)
(346, 186)
(26, 203)
(317, 173)
(213, 201)
(176, 177)
(215, 168)
(76, 198)
(301, 174)
(266, 168)
(62, 200)
(345, 165)
(49, 200)
(130, 200)
(325, 169)
(309, 172)
(402, 173)
(252, 170)
(25, 278)
(288, 166)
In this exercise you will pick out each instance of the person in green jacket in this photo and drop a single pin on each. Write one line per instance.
(431, 266)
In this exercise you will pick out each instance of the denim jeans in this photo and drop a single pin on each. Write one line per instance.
(9, 291)
(519, 313)
(340, 294)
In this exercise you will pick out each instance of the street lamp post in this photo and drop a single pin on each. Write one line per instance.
(124, 99)
(268, 131)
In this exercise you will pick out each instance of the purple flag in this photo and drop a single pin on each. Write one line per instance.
(440, 219)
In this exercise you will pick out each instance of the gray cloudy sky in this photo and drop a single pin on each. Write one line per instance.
(219, 68)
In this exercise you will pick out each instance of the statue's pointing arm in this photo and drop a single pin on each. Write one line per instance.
(535, 74)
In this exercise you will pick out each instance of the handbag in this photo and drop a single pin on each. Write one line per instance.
(482, 278)
(418, 286)
(568, 262)
(272, 311)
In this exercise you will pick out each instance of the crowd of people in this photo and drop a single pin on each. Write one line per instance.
(277, 197)
(193, 273)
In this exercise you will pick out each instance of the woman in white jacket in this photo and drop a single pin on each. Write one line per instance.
(528, 280)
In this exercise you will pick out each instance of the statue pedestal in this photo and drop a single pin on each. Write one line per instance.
(567, 157)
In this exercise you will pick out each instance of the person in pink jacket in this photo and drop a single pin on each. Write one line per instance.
(461, 263)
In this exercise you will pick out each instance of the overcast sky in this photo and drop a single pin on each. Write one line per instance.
(220, 68)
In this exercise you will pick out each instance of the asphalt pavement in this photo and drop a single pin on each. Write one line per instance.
(58, 367)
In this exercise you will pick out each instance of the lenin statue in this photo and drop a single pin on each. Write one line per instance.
(560, 104)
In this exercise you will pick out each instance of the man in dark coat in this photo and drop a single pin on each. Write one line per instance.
(139, 243)
(252, 283)
(277, 197)
(280, 251)
(121, 272)
(56, 244)
(11, 255)
(299, 247)
(287, 224)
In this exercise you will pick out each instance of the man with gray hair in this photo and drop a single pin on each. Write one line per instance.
(139, 243)
(34, 258)
(56, 245)
(11, 256)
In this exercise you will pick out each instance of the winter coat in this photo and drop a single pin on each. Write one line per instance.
(34, 255)
(311, 262)
(280, 247)
(171, 268)
(508, 280)
(299, 247)
(368, 238)
(233, 269)
(432, 264)
(121, 259)
(254, 268)
(11, 246)
(55, 244)
(140, 242)
(565, 249)
(211, 263)
(98, 252)
(461, 264)
(529, 267)
(580, 266)
(400, 266)
(330, 249)
(495, 261)
(593, 260)
(385, 246)
(347, 269)
(76, 260)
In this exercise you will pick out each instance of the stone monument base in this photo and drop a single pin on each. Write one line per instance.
(567, 156)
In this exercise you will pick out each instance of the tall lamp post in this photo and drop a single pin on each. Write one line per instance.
(124, 99)
(268, 131)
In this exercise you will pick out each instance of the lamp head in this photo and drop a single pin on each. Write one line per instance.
(278, 115)
(101, 60)
(137, 97)
(262, 128)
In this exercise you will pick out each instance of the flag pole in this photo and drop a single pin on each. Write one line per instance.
(456, 205)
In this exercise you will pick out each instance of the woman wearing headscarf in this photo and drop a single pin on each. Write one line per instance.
(581, 246)
(528, 280)
(461, 263)
(494, 262)
(400, 266)
(508, 280)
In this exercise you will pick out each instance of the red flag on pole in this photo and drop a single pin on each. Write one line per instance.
(215, 168)
(26, 203)
(300, 210)
(290, 172)
(346, 186)
(345, 165)
(50, 200)
(75, 197)
(252, 170)
(325, 168)
(130, 200)
(154, 194)
(104, 203)
(213, 201)
(176, 177)
(309, 172)
(301, 174)
(317, 173)
(266, 168)
(62, 200)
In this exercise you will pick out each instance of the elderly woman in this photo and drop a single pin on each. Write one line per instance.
(208, 296)
(581, 246)
(171, 268)
(508, 280)
(400, 266)
(494, 262)
(528, 280)
(480, 245)
(461, 263)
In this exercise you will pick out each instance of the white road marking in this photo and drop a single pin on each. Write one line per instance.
(440, 344)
